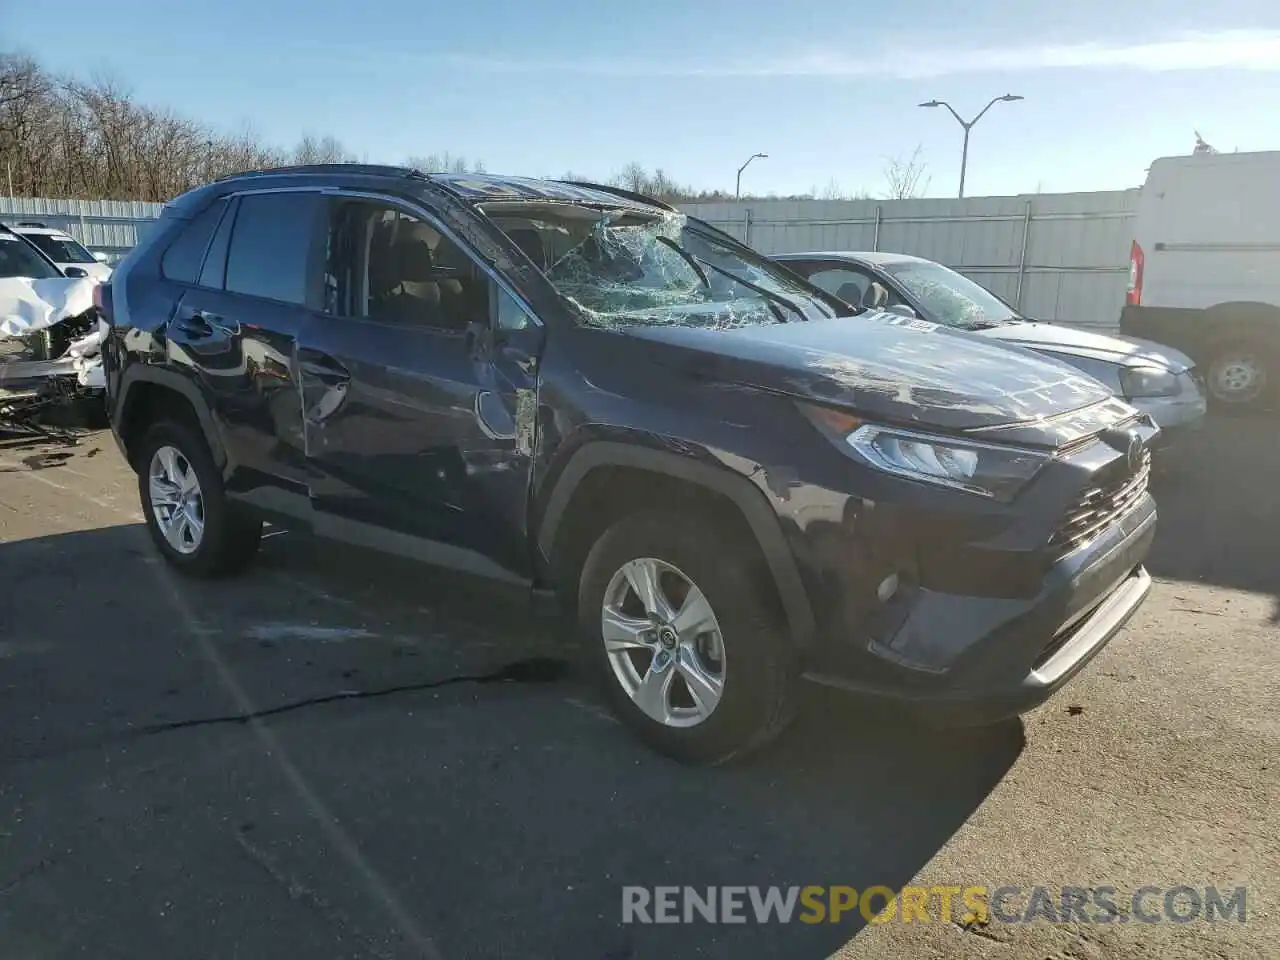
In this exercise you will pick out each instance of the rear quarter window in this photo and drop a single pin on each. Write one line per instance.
(185, 254)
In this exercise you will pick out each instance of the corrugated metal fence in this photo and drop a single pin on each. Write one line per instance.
(1056, 256)
(112, 226)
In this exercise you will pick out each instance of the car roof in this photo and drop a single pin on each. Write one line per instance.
(51, 231)
(873, 257)
(472, 188)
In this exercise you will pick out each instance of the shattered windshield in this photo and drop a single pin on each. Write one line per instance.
(626, 267)
(952, 298)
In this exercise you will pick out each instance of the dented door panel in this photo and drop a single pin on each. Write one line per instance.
(414, 432)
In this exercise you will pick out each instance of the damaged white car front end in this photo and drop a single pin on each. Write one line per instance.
(50, 341)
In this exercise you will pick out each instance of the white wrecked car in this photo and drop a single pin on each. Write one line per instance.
(50, 340)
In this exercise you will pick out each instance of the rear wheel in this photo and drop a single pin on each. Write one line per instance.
(1239, 374)
(188, 516)
(684, 638)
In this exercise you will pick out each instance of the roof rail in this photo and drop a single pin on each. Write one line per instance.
(620, 192)
(32, 223)
(367, 169)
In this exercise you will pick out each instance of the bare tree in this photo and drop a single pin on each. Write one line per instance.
(313, 149)
(906, 178)
(444, 163)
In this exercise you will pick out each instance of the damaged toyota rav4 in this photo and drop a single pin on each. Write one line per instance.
(579, 390)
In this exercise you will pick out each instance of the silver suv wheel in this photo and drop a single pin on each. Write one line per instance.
(664, 642)
(176, 499)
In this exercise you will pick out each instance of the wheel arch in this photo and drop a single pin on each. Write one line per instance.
(152, 393)
(659, 470)
(1244, 319)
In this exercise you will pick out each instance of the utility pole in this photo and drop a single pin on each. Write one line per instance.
(969, 125)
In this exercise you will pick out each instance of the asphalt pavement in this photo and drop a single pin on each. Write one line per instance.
(341, 755)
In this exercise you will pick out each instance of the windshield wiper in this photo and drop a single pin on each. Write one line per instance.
(773, 298)
(687, 257)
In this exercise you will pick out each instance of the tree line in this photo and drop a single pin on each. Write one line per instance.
(91, 139)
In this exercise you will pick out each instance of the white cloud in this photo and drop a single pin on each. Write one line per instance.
(1227, 49)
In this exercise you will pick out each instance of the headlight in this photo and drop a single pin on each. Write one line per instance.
(1149, 382)
(986, 469)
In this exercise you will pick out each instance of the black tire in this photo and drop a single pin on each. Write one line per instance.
(231, 537)
(1265, 360)
(759, 663)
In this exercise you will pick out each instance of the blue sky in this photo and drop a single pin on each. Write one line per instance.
(827, 88)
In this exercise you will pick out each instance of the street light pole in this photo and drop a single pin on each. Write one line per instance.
(737, 190)
(969, 125)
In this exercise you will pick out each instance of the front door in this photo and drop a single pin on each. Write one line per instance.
(410, 407)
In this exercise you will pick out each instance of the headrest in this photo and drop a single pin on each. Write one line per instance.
(413, 260)
(850, 292)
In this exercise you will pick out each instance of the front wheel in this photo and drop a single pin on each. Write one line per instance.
(684, 638)
(188, 515)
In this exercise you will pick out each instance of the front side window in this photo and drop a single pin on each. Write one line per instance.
(951, 298)
(60, 248)
(386, 265)
(271, 245)
(17, 259)
(621, 267)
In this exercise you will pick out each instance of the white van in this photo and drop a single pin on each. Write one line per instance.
(1204, 271)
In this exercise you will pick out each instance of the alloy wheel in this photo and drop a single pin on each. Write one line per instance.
(663, 642)
(176, 500)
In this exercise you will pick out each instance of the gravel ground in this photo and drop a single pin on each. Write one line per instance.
(346, 756)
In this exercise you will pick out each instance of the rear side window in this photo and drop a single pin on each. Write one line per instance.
(182, 260)
(273, 242)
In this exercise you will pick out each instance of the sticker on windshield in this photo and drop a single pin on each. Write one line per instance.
(912, 323)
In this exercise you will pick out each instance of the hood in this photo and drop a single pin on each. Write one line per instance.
(889, 368)
(28, 306)
(1109, 348)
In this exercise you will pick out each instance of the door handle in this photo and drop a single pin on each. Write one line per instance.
(199, 325)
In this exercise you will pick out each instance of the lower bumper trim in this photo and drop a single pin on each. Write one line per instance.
(988, 705)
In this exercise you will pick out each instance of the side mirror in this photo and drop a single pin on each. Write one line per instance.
(903, 310)
(99, 256)
(75, 273)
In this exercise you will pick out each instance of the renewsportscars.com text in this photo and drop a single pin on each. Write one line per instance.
(967, 905)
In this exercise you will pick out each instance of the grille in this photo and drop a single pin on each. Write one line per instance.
(33, 346)
(1097, 508)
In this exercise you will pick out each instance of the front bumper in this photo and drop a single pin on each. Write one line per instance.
(1016, 653)
(1177, 416)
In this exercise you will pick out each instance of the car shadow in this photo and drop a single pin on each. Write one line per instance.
(1219, 503)
(553, 807)
(849, 796)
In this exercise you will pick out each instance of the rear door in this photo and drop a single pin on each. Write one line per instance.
(411, 402)
(236, 327)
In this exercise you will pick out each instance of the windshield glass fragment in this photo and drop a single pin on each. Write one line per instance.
(951, 297)
(629, 267)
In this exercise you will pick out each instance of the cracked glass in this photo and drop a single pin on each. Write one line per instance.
(638, 267)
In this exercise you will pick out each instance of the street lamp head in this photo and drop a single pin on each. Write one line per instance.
(931, 103)
(1010, 97)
